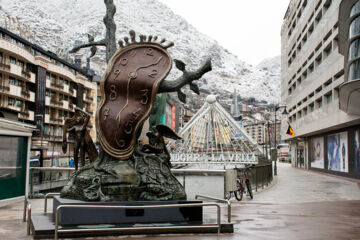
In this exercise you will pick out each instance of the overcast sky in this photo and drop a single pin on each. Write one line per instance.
(248, 28)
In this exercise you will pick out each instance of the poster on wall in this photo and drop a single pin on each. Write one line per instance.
(317, 152)
(357, 151)
(337, 152)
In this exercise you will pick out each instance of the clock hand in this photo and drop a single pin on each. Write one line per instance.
(118, 117)
(149, 65)
(132, 75)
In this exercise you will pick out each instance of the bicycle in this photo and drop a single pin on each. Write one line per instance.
(242, 177)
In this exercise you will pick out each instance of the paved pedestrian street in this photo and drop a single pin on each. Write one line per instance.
(299, 204)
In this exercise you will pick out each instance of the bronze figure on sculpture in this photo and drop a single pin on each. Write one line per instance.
(125, 170)
(76, 126)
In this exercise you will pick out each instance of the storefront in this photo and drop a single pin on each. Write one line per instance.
(336, 152)
(15, 140)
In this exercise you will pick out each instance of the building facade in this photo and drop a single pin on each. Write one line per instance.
(39, 88)
(312, 74)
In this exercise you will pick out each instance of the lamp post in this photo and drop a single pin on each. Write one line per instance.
(278, 107)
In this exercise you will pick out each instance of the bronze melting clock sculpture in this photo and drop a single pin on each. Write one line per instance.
(125, 170)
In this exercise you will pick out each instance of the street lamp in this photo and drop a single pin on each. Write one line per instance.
(275, 145)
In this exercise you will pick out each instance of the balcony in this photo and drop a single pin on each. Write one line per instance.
(26, 74)
(27, 115)
(25, 93)
(5, 88)
(59, 86)
(56, 120)
(89, 98)
(16, 49)
(5, 67)
(53, 101)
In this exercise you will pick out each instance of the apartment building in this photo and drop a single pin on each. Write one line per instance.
(39, 88)
(312, 76)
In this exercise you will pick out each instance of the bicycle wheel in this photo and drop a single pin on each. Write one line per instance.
(228, 195)
(248, 186)
(239, 193)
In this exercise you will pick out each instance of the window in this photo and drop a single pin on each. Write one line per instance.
(354, 71)
(52, 130)
(53, 78)
(46, 110)
(354, 27)
(328, 97)
(12, 80)
(327, 50)
(19, 103)
(305, 111)
(12, 60)
(319, 103)
(11, 101)
(47, 75)
(47, 93)
(354, 49)
(19, 82)
(12, 165)
(318, 17)
(21, 64)
(46, 129)
(61, 81)
(60, 131)
(311, 107)
(355, 9)
(1, 57)
(327, 4)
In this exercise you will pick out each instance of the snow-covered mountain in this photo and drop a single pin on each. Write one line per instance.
(60, 23)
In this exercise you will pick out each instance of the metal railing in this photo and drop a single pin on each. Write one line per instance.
(44, 179)
(208, 226)
(49, 195)
(27, 209)
(260, 175)
(220, 200)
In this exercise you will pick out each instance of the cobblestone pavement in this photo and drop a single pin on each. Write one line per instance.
(298, 205)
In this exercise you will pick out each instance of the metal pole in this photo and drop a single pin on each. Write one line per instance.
(275, 166)
(269, 140)
(52, 156)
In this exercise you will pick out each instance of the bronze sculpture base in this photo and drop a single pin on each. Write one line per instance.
(144, 176)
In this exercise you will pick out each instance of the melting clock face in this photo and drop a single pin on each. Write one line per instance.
(129, 87)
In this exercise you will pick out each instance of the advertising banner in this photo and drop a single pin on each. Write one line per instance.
(357, 151)
(337, 152)
(317, 152)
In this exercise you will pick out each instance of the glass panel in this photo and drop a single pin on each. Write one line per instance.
(10, 157)
(354, 71)
(354, 49)
(355, 9)
(354, 27)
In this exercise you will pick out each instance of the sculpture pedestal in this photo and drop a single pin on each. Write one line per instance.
(82, 222)
(83, 216)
